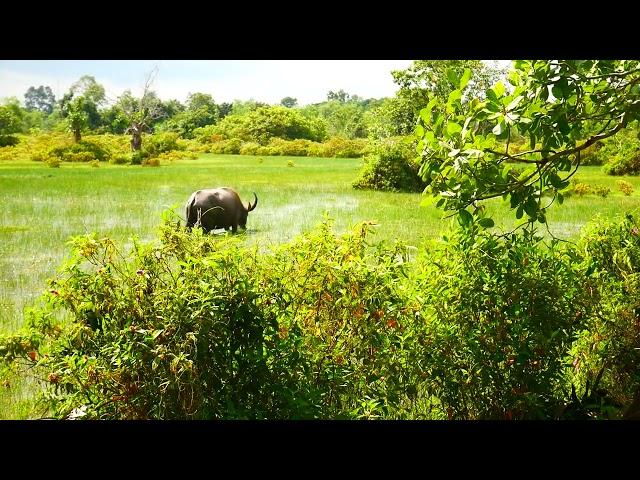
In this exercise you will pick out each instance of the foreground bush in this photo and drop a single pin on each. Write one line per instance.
(606, 355)
(502, 312)
(479, 326)
(199, 327)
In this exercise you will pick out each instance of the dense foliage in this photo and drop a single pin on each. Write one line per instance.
(479, 326)
(391, 166)
(555, 104)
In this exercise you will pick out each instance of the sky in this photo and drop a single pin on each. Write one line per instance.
(226, 80)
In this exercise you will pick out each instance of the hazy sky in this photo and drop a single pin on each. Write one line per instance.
(263, 80)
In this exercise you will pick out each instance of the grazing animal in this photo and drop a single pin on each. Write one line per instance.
(217, 208)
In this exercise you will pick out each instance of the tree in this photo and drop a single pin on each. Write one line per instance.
(340, 96)
(90, 89)
(268, 122)
(9, 123)
(224, 109)
(41, 98)
(141, 112)
(76, 117)
(426, 79)
(93, 95)
(289, 102)
(560, 106)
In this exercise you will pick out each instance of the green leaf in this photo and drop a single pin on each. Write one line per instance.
(491, 95)
(499, 128)
(505, 171)
(486, 222)
(499, 90)
(454, 96)
(554, 180)
(563, 126)
(425, 113)
(542, 217)
(466, 76)
(514, 103)
(531, 207)
(519, 212)
(464, 217)
(453, 128)
(453, 77)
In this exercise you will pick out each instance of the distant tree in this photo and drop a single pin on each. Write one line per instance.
(76, 117)
(268, 122)
(341, 118)
(140, 112)
(41, 98)
(224, 109)
(201, 110)
(93, 95)
(340, 96)
(289, 102)
(10, 123)
(171, 108)
(242, 107)
(90, 89)
(114, 120)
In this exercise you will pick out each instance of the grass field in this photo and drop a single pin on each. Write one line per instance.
(42, 207)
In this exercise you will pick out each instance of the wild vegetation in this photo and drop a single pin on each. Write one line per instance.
(487, 318)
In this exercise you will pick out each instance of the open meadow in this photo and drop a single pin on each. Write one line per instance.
(43, 207)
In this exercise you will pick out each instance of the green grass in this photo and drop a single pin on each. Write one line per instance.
(42, 207)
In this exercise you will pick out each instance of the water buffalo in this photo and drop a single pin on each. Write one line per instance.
(217, 208)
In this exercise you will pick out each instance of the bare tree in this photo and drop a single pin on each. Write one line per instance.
(141, 112)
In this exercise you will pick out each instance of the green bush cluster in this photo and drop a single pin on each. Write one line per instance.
(327, 326)
(391, 166)
(501, 313)
(334, 147)
(200, 327)
(622, 153)
(625, 187)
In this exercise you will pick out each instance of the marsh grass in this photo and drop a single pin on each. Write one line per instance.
(43, 207)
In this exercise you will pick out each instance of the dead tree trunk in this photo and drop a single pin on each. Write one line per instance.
(136, 138)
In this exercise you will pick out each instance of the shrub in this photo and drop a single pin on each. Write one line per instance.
(391, 167)
(121, 159)
(623, 165)
(501, 314)
(344, 147)
(309, 330)
(606, 355)
(137, 157)
(625, 187)
(592, 155)
(290, 164)
(581, 189)
(601, 190)
(162, 142)
(95, 163)
(53, 162)
(151, 162)
(8, 140)
(84, 151)
(249, 148)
